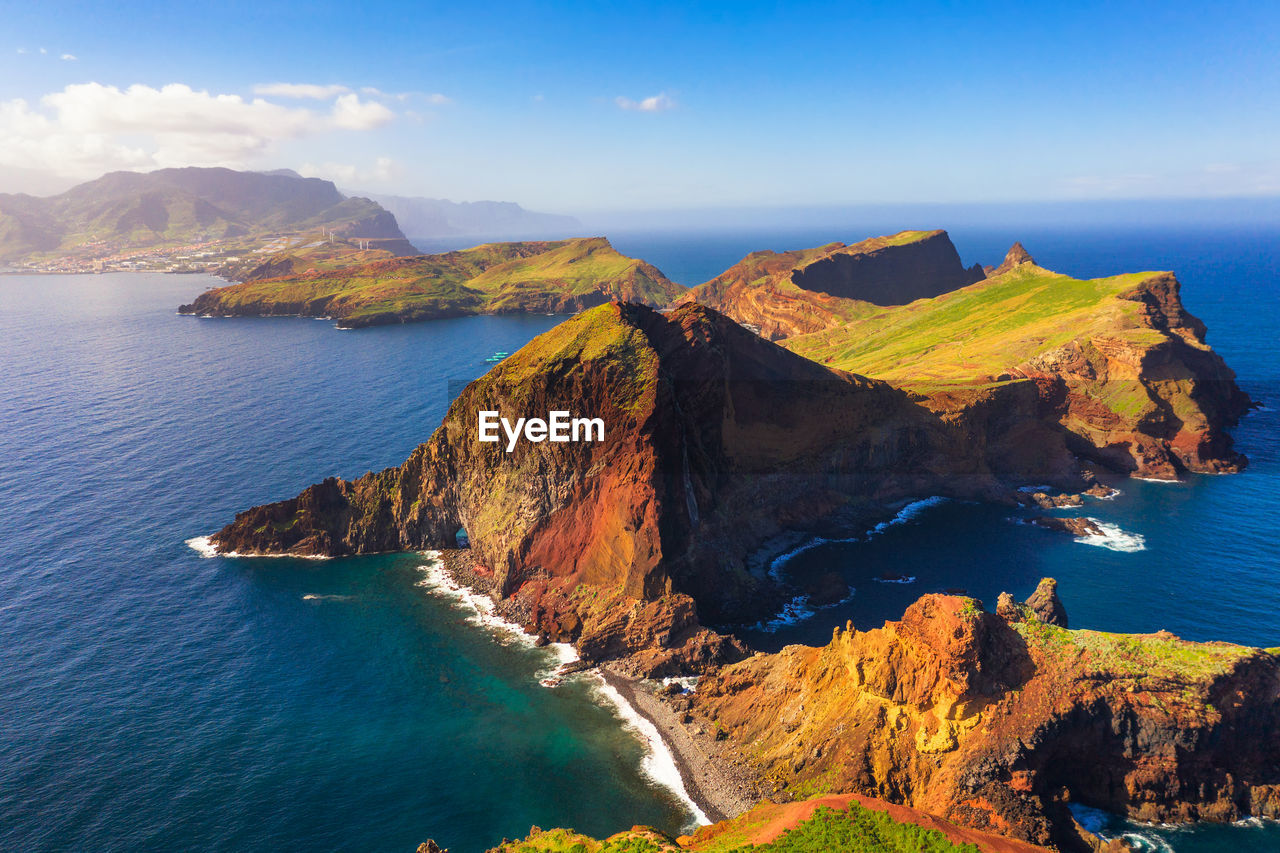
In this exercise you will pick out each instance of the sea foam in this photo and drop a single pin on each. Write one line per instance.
(909, 512)
(1114, 538)
(797, 610)
(658, 763)
(203, 545)
(483, 612)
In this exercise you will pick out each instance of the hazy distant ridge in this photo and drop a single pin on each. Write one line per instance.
(130, 210)
(437, 217)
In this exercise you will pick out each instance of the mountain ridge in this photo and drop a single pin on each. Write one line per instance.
(123, 212)
(426, 218)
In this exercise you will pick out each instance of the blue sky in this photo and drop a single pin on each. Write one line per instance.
(598, 106)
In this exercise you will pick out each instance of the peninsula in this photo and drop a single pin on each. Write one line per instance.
(555, 277)
(723, 449)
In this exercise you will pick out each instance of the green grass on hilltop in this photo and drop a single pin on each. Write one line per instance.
(1136, 655)
(492, 278)
(853, 830)
(858, 830)
(982, 330)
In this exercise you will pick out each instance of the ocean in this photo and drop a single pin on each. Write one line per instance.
(153, 699)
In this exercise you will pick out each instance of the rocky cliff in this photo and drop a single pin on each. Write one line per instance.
(783, 294)
(997, 721)
(1120, 368)
(715, 440)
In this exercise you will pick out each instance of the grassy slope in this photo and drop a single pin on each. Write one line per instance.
(770, 273)
(982, 330)
(851, 830)
(490, 278)
(575, 267)
(1139, 656)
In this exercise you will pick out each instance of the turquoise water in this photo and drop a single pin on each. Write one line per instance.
(150, 699)
(154, 700)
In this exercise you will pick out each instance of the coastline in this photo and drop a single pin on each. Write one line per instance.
(721, 787)
(717, 785)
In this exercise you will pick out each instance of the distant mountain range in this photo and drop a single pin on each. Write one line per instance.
(124, 212)
(436, 217)
(232, 222)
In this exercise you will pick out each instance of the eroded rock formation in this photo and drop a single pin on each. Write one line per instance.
(997, 722)
(792, 293)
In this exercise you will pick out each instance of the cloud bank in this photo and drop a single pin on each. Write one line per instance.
(90, 128)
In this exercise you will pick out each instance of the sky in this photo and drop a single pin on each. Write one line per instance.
(580, 107)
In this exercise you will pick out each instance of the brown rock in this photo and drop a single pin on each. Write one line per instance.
(1015, 257)
(783, 294)
(989, 723)
(1008, 609)
(1074, 526)
(1045, 605)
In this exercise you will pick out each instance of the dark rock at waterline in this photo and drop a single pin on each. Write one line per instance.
(1074, 526)
(1047, 501)
(829, 589)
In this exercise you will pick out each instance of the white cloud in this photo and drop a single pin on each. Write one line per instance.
(351, 113)
(301, 90)
(68, 57)
(90, 128)
(383, 170)
(652, 104)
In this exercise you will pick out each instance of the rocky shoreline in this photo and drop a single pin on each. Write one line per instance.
(718, 781)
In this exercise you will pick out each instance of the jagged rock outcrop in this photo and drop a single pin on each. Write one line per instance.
(791, 293)
(1015, 257)
(995, 723)
(1154, 405)
(715, 441)
(1045, 604)
(1075, 526)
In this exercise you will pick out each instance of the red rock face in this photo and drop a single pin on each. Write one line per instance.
(783, 294)
(889, 274)
(994, 722)
(715, 441)
(1186, 396)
